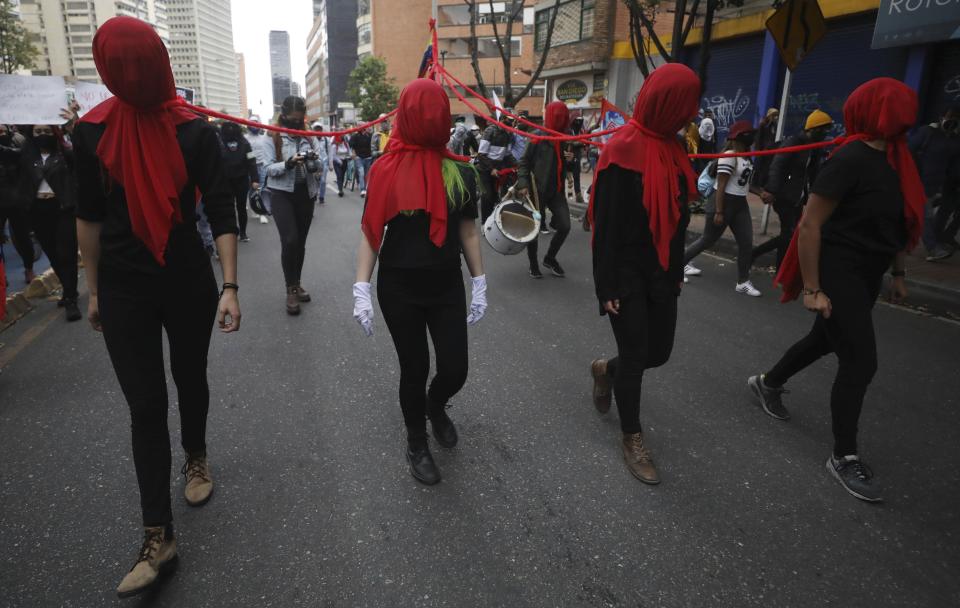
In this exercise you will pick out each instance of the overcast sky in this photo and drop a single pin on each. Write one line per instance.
(252, 22)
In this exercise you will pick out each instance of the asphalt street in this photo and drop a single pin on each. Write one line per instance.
(314, 505)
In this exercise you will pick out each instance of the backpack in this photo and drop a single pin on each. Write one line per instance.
(707, 182)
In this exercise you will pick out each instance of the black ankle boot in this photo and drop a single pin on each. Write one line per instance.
(421, 462)
(443, 429)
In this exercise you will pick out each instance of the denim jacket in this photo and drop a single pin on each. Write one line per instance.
(281, 178)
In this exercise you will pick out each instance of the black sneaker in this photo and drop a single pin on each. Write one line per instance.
(770, 398)
(421, 462)
(535, 273)
(855, 477)
(554, 267)
(73, 311)
(444, 430)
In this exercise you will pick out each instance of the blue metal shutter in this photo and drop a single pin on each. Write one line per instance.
(732, 77)
(944, 90)
(840, 63)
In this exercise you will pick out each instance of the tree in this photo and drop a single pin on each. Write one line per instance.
(16, 50)
(513, 10)
(643, 15)
(370, 89)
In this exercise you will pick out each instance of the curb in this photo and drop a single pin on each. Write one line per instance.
(18, 304)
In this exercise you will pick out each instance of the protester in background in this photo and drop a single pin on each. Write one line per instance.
(322, 146)
(639, 214)
(766, 140)
(935, 148)
(789, 180)
(340, 155)
(519, 143)
(240, 167)
(361, 144)
(425, 199)
(729, 207)
(140, 161)
(865, 212)
(691, 138)
(542, 167)
(947, 221)
(471, 144)
(293, 188)
(708, 133)
(13, 207)
(573, 166)
(493, 155)
(458, 137)
(261, 145)
(381, 137)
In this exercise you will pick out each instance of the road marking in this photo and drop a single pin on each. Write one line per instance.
(8, 354)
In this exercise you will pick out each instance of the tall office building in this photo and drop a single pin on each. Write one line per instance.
(63, 32)
(331, 54)
(280, 70)
(202, 53)
(242, 74)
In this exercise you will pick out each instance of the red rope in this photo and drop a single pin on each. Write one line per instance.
(774, 151)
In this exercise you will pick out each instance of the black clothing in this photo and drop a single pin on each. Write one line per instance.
(934, 152)
(10, 179)
(789, 215)
(239, 162)
(56, 231)
(624, 258)
(293, 215)
(560, 222)
(540, 161)
(766, 139)
(57, 170)
(497, 156)
(135, 308)
(361, 144)
(869, 216)
(791, 173)
(241, 190)
(19, 220)
(406, 243)
(470, 144)
(106, 202)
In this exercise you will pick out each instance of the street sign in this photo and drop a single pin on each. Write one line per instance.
(796, 27)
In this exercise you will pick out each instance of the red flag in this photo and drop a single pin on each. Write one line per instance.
(606, 106)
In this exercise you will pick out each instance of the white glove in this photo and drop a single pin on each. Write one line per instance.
(363, 307)
(478, 305)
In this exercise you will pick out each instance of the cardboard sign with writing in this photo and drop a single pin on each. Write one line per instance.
(31, 100)
(90, 95)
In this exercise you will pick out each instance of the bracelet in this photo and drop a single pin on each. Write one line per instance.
(898, 273)
(811, 292)
(227, 286)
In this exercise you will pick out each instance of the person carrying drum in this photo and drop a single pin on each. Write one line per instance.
(493, 156)
(545, 162)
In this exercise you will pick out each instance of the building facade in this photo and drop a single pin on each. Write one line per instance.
(331, 56)
(242, 75)
(63, 32)
(280, 71)
(202, 52)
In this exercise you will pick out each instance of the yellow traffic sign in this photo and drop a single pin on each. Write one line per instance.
(796, 27)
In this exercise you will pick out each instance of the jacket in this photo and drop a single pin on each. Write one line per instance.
(791, 174)
(239, 161)
(281, 178)
(10, 177)
(57, 171)
(494, 151)
(540, 160)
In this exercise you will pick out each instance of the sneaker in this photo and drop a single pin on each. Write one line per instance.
(748, 289)
(264, 219)
(157, 555)
(855, 477)
(770, 398)
(554, 267)
(73, 310)
(544, 231)
(244, 238)
(939, 253)
(199, 486)
(535, 273)
(422, 466)
(691, 271)
(638, 459)
(340, 193)
(363, 194)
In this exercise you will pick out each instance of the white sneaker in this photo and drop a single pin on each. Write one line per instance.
(747, 288)
(691, 271)
(264, 220)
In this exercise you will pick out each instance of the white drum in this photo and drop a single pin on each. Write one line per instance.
(511, 226)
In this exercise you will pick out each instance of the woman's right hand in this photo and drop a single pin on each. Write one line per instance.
(93, 313)
(363, 307)
(818, 302)
(612, 307)
(718, 218)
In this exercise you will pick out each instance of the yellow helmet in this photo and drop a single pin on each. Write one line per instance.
(817, 118)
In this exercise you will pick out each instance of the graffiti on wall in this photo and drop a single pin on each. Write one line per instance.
(800, 105)
(727, 111)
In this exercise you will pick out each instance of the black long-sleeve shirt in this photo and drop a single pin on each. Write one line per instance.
(624, 257)
(103, 200)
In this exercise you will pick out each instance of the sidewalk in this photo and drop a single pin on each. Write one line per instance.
(933, 287)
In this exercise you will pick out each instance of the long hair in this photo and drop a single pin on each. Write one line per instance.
(290, 104)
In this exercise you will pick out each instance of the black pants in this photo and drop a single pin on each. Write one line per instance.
(489, 197)
(241, 189)
(946, 223)
(135, 309)
(573, 169)
(557, 204)
(293, 214)
(644, 331)
(414, 301)
(19, 221)
(56, 230)
(789, 215)
(736, 215)
(341, 171)
(848, 333)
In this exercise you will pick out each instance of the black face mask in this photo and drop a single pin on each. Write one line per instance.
(291, 124)
(6, 140)
(45, 142)
(746, 140)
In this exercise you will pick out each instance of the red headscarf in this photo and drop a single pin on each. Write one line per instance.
(139, 145)
(882, 108)
(557, 118)
(648, 145)
(408, 177)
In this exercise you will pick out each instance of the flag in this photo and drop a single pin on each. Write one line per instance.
(496, 104)
(610, 117)
(426, 61)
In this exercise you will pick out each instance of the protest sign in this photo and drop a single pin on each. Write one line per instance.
(31, 100)
(89, 95)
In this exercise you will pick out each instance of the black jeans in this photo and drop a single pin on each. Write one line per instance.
(644, 331)
(19, 221)
(560, 222)
(293, 214)
(340, 169)
(414, 301)
(56, 230)
(135, 309)
(241, 189)
(736, 215)
(573, 169)
(789, 214)
(853, 289)
(489, 197)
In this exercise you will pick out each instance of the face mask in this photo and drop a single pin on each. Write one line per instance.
(291, 124)
(818, 135)
(6, 139)
(45, 142)
(254, 131)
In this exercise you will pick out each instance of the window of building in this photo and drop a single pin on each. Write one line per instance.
(574, 23)
(459, 48)
(363, 34)
(459, 14)
(363, 8)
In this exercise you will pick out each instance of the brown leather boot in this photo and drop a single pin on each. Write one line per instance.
(293, 300)
(638, 459)
(199, 486)
(601, 386)
(158, 554)
(302, 294)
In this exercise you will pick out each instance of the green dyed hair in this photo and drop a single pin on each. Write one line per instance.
(453, 183)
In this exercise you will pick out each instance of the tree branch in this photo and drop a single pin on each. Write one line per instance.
(690, 22)
(474, 51)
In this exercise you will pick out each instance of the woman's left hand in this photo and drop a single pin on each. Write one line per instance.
(898, 290)
(228, 312)
(478, 304)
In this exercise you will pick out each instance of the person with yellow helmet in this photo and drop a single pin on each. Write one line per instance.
(788, 181)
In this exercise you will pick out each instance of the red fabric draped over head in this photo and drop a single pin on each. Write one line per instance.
(648, 144)
(139, 144)
(882, 108)
(409, 176)
(556, 117)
